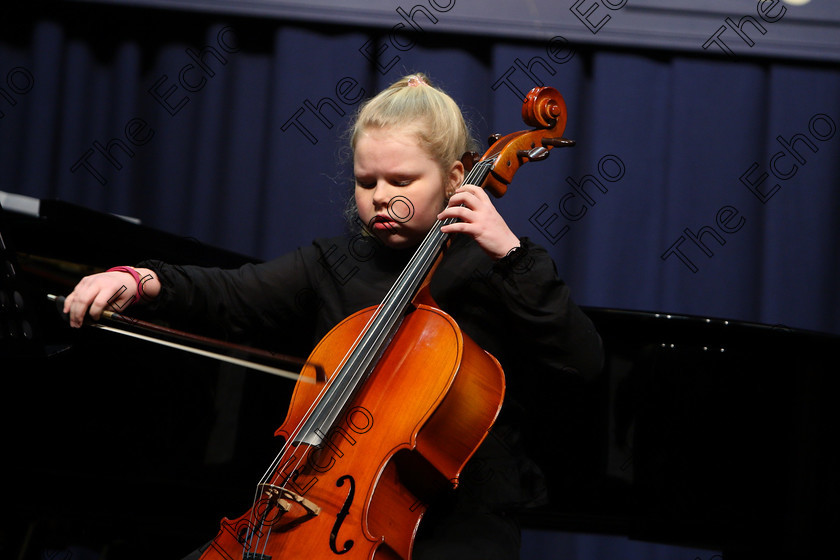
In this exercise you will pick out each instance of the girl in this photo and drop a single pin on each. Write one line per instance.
(501, 289)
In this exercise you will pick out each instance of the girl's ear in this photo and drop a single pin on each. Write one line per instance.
(454, 179)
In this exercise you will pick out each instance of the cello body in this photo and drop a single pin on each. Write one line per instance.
(426, 406)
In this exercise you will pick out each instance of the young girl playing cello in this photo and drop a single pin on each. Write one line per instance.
(502, 290)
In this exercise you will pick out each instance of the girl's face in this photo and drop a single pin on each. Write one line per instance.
(400, 188)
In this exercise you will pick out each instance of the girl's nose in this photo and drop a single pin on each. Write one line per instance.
(381, 193)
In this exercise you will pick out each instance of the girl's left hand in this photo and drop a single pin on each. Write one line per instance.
(479, 220)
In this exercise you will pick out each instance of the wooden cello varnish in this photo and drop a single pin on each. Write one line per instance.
(401, 400)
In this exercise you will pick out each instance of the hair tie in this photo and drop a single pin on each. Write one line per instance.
(135, 275)
(416, 80)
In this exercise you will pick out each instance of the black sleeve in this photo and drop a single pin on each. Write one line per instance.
(519, 310)
(548, 323)
(256, 302)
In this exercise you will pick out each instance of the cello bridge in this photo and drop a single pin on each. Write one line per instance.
(284, 499)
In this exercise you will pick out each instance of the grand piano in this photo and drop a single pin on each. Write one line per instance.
(700, 432)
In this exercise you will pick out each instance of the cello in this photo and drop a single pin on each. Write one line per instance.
(390, 405)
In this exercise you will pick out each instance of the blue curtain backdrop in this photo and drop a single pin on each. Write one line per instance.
(232, 152)
(699, 185)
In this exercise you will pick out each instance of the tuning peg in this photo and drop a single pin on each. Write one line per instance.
(534, 154)
(469, 159)
(493, 138)
(558, 142)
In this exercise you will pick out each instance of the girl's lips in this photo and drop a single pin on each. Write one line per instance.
(383, 223)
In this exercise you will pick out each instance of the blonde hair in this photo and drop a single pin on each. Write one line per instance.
(434, 116)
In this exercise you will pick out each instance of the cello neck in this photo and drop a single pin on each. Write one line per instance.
(381, 328)
(418, 270)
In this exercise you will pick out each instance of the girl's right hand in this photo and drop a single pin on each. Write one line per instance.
(113, 291)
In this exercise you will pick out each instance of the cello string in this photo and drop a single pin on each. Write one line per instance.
(274, 468)
(400, 293)
(348, 363)
(277, 462)
(398, 296)
(429, 236)
(420, 262)
(367, 348)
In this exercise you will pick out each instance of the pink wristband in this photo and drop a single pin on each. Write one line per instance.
(134, 274)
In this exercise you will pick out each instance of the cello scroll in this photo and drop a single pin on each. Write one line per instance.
(542, 108)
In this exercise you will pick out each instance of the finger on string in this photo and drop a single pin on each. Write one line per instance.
(460, 212)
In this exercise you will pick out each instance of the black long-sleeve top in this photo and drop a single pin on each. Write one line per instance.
(517, 308)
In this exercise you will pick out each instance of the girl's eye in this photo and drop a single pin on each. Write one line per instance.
(404, 183)
(365, 185)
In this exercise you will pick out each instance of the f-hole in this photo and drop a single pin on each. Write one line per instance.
(339, 519)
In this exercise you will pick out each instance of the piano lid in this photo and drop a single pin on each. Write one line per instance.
(703, 432)
(48, 245)
(56, 229)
